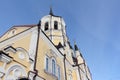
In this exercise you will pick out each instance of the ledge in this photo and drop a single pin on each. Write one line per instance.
(5, 57)
(50, 74)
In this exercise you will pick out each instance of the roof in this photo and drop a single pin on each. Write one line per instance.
(32, 25)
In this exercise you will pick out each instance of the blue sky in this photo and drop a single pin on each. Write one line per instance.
(93, 24)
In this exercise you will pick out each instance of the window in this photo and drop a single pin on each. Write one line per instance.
(55, 25)
(46, 26)
(58, 73)
(53, 67)
(46, 66)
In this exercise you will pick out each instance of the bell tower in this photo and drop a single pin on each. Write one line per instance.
(54, 27)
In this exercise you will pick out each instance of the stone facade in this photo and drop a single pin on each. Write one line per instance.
(41, 52)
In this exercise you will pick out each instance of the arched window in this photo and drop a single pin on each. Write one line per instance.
(46, 26)
(47, 64)
(53, 67)
(55, 25)
(17, 71)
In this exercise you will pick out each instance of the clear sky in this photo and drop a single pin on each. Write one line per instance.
(93, 24)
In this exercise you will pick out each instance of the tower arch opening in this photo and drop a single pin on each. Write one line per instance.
(46, 26)
(56, 25)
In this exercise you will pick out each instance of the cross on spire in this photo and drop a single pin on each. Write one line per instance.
(51, 12)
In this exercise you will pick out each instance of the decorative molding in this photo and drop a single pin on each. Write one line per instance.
(33, 43)
(32, 47)
(2, 72)
(23, 54)
(50, 44)
(4, 57)
(51, 74)
(10, 48)
(21, 72)
(16, 37)
(39, 78)
(31, 75)
(53, 53)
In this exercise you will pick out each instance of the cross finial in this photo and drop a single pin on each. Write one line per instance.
(51, 12)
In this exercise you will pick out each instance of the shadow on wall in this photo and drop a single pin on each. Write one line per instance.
(23, 79)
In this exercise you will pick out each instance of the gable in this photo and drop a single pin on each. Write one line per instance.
(50, 44)
(15, 30)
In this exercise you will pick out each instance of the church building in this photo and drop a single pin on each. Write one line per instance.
(41, 52)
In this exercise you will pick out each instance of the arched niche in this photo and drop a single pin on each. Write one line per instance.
(22, 54)
(15, 72)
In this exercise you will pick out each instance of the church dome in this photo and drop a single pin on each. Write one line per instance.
(52, 21)
(54, 27)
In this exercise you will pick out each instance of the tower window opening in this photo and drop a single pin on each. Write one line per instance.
(46, 26)
(55, 25)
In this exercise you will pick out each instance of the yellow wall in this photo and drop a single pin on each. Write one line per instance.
(23, 42)
(43, 51)
(8, 33)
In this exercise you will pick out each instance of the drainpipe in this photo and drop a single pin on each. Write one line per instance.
(65, 67)
(36, 71)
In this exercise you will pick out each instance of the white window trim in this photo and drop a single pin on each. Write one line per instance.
(5, 58)
(52, 66)
(48, 71)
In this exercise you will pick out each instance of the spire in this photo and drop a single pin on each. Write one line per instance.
(75, 46)
(70, 45)
(51, 12)
(39, 24)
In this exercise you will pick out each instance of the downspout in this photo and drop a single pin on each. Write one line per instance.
(36, 71)
(65, 67)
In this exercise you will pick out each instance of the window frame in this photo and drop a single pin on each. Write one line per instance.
(46, 64)
(53, 67)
